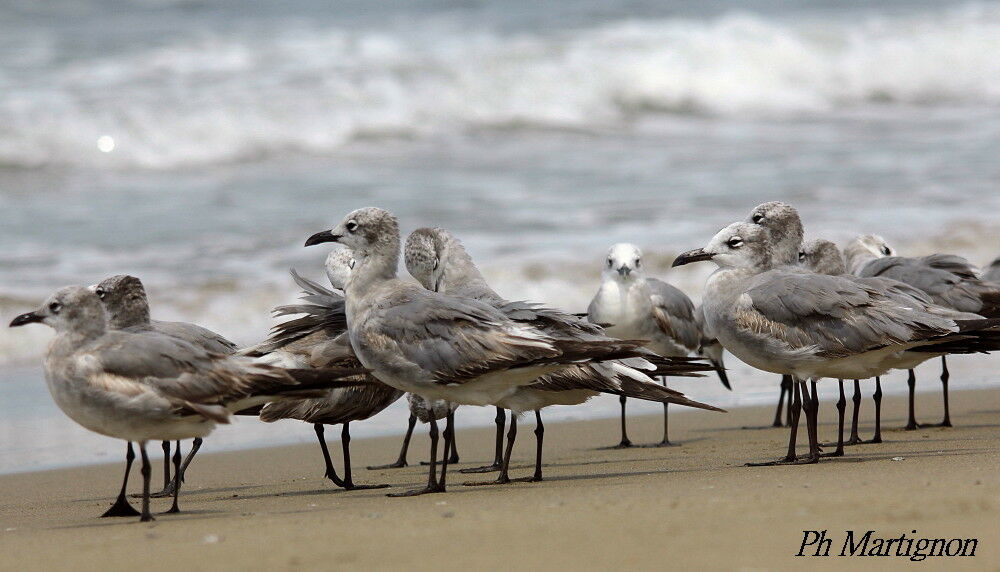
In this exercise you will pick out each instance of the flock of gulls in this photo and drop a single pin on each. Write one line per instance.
(805, 311)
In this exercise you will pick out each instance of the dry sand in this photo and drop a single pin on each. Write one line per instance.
(642, 508)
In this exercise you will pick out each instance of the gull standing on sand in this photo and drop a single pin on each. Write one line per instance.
(631, 306)
(127, 307)
(437, 259)
(142, 386)
(438, 346)
(318, 339)
(949, 280)
(792, 321)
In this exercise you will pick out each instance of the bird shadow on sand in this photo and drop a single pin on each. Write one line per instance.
(188, 492)
(673, 444)
(184, 514)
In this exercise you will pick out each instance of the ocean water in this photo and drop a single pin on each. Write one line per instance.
(197, 144)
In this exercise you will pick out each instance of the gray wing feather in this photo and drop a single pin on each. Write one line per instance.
(674, 313)
(949, 280)
(832, 315)
(196, 335)
(454, 340)
(341, 405)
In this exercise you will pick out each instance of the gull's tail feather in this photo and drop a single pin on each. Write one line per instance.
(322, 310)
(651, 391)
(973, 336)
(678, 366)
(712, 350)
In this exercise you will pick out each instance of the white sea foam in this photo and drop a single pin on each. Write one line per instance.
(234, 95)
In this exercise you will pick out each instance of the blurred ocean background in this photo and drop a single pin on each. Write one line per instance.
(197, 143)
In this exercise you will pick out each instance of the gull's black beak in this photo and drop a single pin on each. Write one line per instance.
(624, 271)
(696, 255)
(28, 318)
(321, 237)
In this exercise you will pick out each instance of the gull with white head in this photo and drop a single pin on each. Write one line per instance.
(439, 261)
(632, 306)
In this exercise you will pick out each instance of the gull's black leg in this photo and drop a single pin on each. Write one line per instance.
(855, 438)
(330, 473)
(449, 439)
(945, 375)
(345, 443)
(786, 386)
(504, 476)
(841, 409)
(501, 420)
(195, 447)
(625, 442)
(911, 382)
(166, 464)
(795, 407)
(147, 474)
(432, 484)
(122, 506)
(812, 421)
(539, 438)
(401, 461)
(453, 457)
(877, 397)
(177, 479)
(666, 422)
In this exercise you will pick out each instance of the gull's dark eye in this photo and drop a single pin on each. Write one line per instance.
(101, 293)
(735, 242)
(351, 226)
(757, 218)
(886, 251)
(54, 307)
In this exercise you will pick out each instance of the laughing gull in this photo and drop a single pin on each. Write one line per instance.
(439, 261)
(949, 280)
(438, 346)
(785, 232)
(791, 321)
(632, 306)
(127, 307)
(318, 339)
(142, 386)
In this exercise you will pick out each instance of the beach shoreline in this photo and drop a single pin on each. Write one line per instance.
(644, 508)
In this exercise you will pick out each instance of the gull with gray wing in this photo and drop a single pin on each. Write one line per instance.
(792, 321)
(127, 306)
(631, 306)
(438, 346)
(142, 386)
(439, 261)
(948, 279)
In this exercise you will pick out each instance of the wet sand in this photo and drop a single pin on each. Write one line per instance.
(639, 508)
